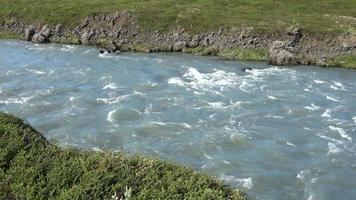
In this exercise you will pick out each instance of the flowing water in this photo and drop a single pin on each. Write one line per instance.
(278, 133)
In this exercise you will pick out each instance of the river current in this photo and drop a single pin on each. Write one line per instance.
(277, 133)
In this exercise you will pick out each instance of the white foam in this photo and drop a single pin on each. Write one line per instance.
(332, 98)
(193, 79)
(105, 55)
(354, 118)
(290, 144)
(333, 149)
(216, 104)
(226, 162)
(342, 132)
(110, 116)
(207, 156)
(319, 81)
(176, 81)
(272, 97)
(68, 48)
(112, 100)
(36, 71)
(185, 125)
(337, 86)
(312, 107)
(110, 86)
(21, 100)
(326, 114)
(246, 182)
(333, 87)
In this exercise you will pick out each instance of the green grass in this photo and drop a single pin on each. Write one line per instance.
(33, 168)
(10, 35)
(315, 16)
(348, 62)
(244, 54)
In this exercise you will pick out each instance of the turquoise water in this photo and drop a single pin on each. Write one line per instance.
(278, 133)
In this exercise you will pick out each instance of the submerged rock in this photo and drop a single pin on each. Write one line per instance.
(281, 54)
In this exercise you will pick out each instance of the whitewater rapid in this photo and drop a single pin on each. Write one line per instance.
(278, 133)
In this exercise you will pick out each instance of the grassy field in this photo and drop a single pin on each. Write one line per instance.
(33, 168)
(315, 16)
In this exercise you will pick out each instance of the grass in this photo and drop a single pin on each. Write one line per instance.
(315, 16)
(33, 168)
(244, 54)
(10, 35)
(348, 62)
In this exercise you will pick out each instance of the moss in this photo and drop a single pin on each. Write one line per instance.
(344, 61)
(244, 54)
(67, 39)
(33, 168)
(9, 35)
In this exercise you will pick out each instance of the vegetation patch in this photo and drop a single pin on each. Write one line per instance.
(346, 61)
(315, 16)
(33, 168)
(9, 35)
(244, 54)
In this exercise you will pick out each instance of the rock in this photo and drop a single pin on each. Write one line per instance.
(101, 51)
(59, 30)
(86, 36)
(245, 69)
(43, 36)
(281, 54)
(207, 41)
(29, 32)
(179, 46)
(296, 35)
(194, 42)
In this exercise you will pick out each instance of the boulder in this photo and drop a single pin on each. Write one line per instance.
(86, 36)
(29, 32)
(194, 42)
(179, 46)
(281, 54)
(59, 30)
(43, 36)
(295, 36)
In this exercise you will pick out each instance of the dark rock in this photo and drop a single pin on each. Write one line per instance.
(247, 69)
(296, 35)
(207, 41)
(101, 51)
(29, 32)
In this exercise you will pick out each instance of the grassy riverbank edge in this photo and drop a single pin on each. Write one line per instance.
(33, 168)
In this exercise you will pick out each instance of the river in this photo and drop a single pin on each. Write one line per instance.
(277, 133)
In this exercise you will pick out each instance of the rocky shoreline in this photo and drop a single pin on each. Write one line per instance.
(120, 31)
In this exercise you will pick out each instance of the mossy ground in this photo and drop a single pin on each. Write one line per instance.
(33, 168)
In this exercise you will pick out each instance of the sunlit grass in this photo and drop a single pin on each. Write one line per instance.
(195, 15)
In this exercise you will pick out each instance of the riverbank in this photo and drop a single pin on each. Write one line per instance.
(33, 168)
(244, 31)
